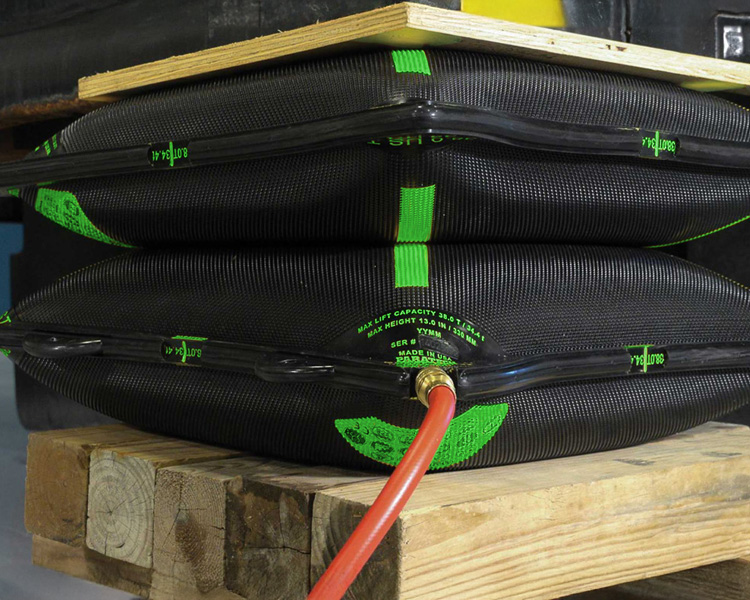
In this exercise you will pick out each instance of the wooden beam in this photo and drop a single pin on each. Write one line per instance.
(83, 563)
(31, 112)
(547, 529)
(57, 478)
(122, 483)
(409, 25)
(242, 528)
(237, 528)
(728, 580)
(722, 581)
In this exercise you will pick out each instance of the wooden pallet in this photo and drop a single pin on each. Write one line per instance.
(168, 519)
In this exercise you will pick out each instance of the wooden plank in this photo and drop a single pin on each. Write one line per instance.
(551, 528)
(723, 581)
(247, 528)
(83, 563)
(729, 580)
(30, 112)
(237, 528)
(298, 43)
(416, 26)
(482, 34)
(57, 478)
(122, 483)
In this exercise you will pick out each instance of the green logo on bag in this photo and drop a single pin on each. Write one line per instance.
(645, 357)
(660, 145)
(183, 349)
(169, 154)
(467, 434)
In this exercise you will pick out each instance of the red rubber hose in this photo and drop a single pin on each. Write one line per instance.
(385, 510)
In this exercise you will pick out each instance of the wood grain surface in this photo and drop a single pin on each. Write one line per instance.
(57, 478)
(175, 520)
(418, 26)
(122, 484)
(553, 528)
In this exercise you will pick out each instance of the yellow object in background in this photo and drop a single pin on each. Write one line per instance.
(544, 13)
(706, 85)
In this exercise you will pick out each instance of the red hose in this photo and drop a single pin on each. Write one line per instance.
(385, 510)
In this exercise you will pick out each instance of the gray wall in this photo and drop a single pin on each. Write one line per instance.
(10, 242)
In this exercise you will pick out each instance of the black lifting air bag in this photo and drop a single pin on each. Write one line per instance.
(555, 350)
(407, 146)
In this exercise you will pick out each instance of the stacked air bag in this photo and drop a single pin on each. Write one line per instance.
(307, 175)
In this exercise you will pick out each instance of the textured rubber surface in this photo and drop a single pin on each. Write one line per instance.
(525, 299)
(314, 90)
(483, 191)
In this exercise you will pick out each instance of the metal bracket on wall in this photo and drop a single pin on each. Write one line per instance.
(733, 37)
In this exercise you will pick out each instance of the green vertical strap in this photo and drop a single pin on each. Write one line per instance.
(415, 214)
(63, 208)
(411, 262)
(411, 61)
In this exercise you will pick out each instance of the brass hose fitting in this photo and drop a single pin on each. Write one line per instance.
(429, 378)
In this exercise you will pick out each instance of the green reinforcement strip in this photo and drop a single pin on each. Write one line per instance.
(190, 337)
(702, 235)
(14, 192)
(415, 214)
(5, 352)
(5, 318)
(385, 443)
(63, 208)
(411, 61)
(411, 263)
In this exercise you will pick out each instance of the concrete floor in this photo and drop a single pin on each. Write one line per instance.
(19, 579)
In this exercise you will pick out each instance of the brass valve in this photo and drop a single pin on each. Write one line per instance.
(429, 378)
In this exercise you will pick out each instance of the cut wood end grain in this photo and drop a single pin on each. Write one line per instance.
(254, 517)
(228, 528)
(121, 489)
(57, 477)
